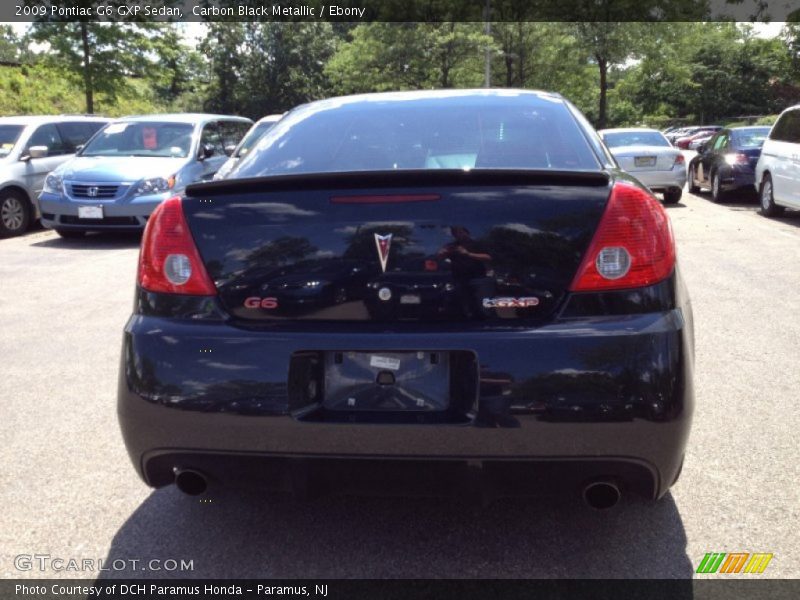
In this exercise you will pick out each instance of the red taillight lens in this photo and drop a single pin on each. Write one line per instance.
(169, 261)
(679, 160)
(632, 247)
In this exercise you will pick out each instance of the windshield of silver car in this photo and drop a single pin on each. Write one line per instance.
(142, 139)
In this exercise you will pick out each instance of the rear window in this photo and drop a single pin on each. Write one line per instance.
(751, 138)
(456, 132)
(787, 128)
(617, 139)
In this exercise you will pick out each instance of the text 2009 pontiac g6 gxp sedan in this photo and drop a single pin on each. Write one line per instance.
(449, 278)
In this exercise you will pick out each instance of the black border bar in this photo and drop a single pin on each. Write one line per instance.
(403, 589)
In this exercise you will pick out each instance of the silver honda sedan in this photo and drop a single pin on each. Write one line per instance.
(647, 155)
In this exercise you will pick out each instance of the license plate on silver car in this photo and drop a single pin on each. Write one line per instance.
(644, 161)
(90, 212)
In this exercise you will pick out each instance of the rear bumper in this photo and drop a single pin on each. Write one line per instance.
(738, 177)
(610, 394)
(662, 180)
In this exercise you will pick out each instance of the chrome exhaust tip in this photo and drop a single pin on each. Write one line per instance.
(601, 495)
(190, 482)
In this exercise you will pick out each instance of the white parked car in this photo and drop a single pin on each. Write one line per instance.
(647, 155)
(778, 168)
(249, 140)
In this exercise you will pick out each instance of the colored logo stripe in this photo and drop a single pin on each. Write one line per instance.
(757, 563)
(735, 561)
(711, 562)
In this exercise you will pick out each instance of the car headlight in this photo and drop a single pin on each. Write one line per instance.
(53, 184)
(314, 284)
(156, 185)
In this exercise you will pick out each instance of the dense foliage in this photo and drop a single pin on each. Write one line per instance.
(617, 73)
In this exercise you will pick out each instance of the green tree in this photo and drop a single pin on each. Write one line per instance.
(285, 65)
(609, 45)
(177, 71)
(10, 45)
(390, 56)
(98, 55)
(261, 68)
(223, 46)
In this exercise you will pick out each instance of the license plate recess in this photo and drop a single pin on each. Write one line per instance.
(387, 381)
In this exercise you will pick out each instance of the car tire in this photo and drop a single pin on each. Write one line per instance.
(717, 193)
(766, 198)
(15, 213)
(70, 234)
(693, 187)
(673, 195)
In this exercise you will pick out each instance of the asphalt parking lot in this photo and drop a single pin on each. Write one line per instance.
(67, 488)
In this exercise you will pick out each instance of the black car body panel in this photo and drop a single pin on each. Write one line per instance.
(596, 386)
(540, 227)
(320, 347)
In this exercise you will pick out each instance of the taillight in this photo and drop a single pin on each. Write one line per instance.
(679, 160)
(736, 159)
(169, 261)
(632, 247)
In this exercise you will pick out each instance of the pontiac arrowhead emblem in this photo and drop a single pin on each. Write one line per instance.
(383, 243)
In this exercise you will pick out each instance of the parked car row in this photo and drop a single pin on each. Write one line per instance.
(86, 173)
(729, 160)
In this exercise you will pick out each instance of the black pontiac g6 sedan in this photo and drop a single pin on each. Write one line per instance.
(445, 278)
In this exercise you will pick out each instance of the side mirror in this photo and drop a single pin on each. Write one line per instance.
(36, 152)
(229, 149)
(206, 151)
(702, 148)
(79, 147)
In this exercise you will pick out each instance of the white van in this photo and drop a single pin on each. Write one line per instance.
(778, 168)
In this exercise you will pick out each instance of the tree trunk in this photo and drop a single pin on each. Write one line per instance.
(509, 68)
(602, 64)
(88, 83)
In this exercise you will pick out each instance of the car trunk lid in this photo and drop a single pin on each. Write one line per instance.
(452, 246)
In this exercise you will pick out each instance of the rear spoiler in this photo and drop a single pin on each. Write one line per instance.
(402, 178)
